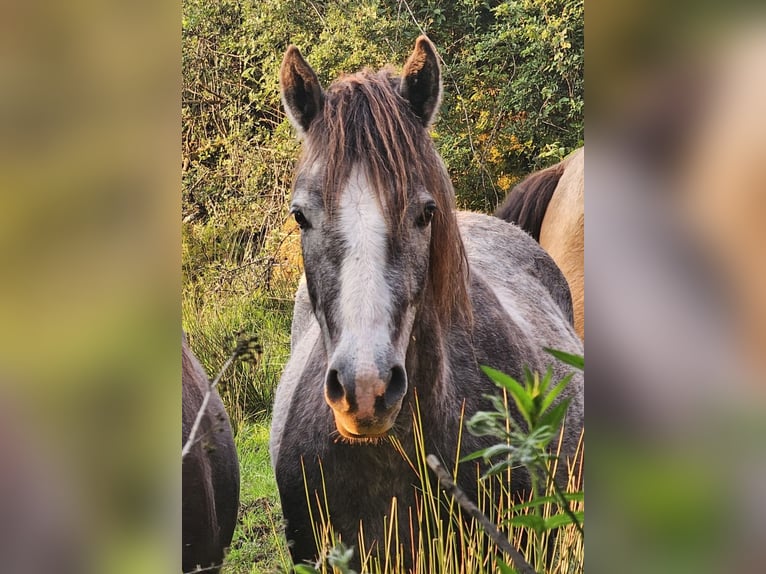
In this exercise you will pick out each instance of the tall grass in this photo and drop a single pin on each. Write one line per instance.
(447, 540)
(247, 389)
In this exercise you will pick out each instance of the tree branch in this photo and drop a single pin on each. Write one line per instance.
(490, 529)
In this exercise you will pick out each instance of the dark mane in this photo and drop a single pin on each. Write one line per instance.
(527, 202)
(365, 121)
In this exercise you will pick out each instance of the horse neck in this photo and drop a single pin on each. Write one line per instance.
(428, 359)
(430, 374)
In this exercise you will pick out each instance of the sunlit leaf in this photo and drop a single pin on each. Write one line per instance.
(555, 415)
(576, 361)
(519, 394)
(562, 519)
(555, 392)
(533, 521)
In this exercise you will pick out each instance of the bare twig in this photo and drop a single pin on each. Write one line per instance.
(491, 530)
(245, 346)
(203, 408)
(318, 13)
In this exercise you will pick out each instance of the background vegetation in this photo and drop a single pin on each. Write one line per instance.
(513, 102)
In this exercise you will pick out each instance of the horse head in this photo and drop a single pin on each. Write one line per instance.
(372, 198)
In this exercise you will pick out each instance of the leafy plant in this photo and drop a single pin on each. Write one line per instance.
(447, 541)
(529, 445)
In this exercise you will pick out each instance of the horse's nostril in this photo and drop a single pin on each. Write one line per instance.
(334, 387)
(397, 386)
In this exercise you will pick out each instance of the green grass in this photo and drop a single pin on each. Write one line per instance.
(258, 545)
(247, 389)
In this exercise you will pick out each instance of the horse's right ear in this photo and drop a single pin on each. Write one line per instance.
(421, 81)
(300, 90)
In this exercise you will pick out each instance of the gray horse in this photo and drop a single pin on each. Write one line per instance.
(403, 297)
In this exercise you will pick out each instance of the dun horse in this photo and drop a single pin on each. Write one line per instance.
(210, 480)
(550, 205)
(403, 296)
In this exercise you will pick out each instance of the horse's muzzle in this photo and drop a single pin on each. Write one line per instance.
(365, 404)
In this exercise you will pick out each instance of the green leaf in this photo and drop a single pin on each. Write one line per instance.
(529, 378)
(533, 521)
(576, 361)
(498, 403)
(498, 450)
(304, 569)
(541, 437)
(556, 391)
(519, 394)
(497, 468)
(504, 568)
(555, 415)
(546, 382)
(562, 519)
(569, 496)
(487, 423)
(474, 455)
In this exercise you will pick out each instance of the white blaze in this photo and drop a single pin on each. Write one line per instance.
(365, 298)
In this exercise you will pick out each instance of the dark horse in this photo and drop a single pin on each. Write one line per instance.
(210, 488)
(402, 297)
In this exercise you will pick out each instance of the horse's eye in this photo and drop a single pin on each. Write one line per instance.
(428, 214)
(300, 219)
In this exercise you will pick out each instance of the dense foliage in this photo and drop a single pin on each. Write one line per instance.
(513, 102)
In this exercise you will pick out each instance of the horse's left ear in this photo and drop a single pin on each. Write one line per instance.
(301, 93)
(421, 81)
